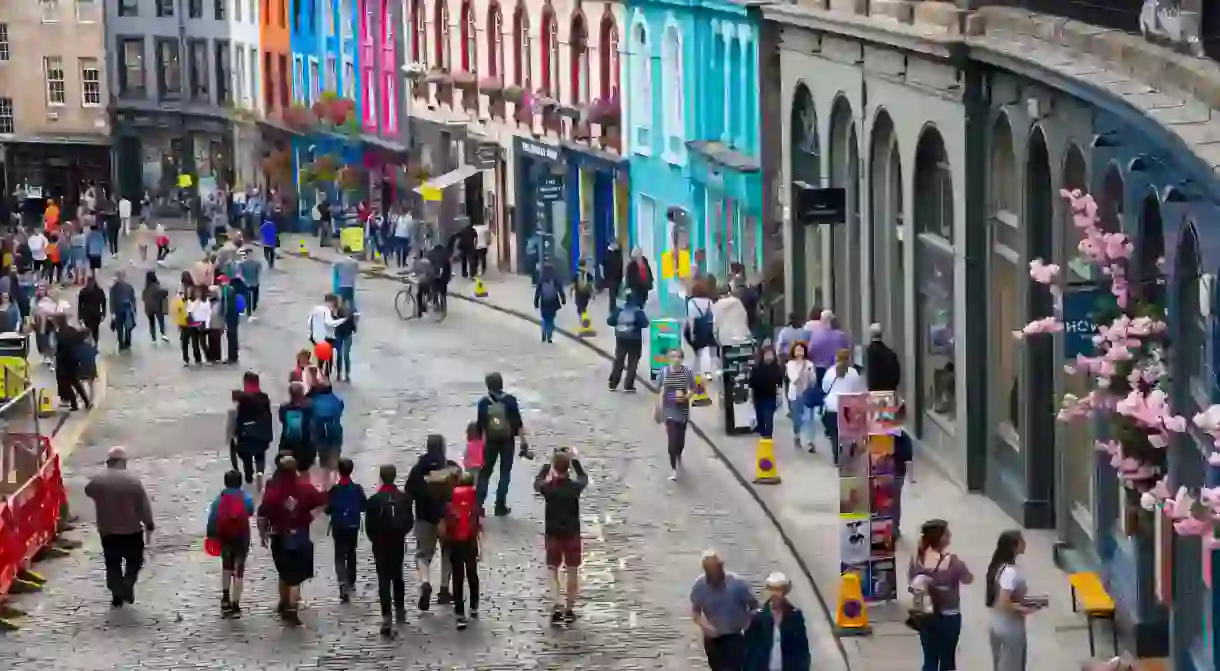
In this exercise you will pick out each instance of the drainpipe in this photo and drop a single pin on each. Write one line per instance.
(974, 253)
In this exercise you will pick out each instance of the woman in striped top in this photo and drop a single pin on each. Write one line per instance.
(677, 383)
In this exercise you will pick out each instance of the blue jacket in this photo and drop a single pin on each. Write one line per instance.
(266, 233)
(633, 324)
(215, 509)
(326, 406)
(793, 641)
(95, 243)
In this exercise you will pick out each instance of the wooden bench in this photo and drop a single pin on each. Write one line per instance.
(1091, 596)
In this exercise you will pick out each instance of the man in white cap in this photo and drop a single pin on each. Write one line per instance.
(882, 368)
(124, 521)
(776, 638)
(721, 604)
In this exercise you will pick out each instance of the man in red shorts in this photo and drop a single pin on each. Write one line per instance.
(561, 489)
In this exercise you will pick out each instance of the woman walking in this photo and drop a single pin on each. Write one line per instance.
(91, 307)
(800, 374)
(766, 380)
(775, 639)
(938, 575)
(842, 378)
(1009, 602)
(69, 342)
(345, 330)
(548, 299)
(673, 407)
(156, 305)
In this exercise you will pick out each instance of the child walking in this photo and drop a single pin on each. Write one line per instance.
(461, 530)
(345, 502)
(229, 525)
(472, 460)
(388, 521)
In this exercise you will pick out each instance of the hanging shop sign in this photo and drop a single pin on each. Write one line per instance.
(1080, 304)
(550, 188)
(819, 207)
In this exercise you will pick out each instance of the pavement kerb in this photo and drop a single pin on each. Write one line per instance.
(67, 439)
(741, 478)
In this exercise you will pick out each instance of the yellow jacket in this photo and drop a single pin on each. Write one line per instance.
(177, 310)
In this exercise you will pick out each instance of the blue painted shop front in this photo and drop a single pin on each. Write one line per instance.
(728, 198)
(1165, 199)
(598, 185)
(306, 149)
(662, 223)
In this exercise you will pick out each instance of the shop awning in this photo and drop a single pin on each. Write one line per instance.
(433, 188)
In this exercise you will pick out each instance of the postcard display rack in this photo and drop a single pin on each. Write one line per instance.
(867, 427)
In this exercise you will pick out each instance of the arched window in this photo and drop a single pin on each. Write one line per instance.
(441, 30)
(523, 63)
(641, 85)
(419, 33)
(495, 41)
(578, 41)
(550, 53)
(469, 32)
(672, 82)
(608, 67)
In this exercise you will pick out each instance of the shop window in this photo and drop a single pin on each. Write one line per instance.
(641, 81)
(578, 41)
(674, 94)
(609, 58)
(469, 36)
(934, 268)
(495, 41)
(442, 36)
(1006, 277)
(523, 61)
(419, 33)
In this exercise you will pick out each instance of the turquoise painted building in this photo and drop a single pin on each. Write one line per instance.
(693, 136)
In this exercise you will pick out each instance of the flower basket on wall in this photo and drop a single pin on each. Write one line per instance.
(299, 118)
(277, 165)
(514, 94)
(465, 81)
(492, 87)
(349, 177)
(606, 112)
(438, 76)
(573, 112)
(414, 72)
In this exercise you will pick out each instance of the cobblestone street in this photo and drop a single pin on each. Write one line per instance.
(643, 535)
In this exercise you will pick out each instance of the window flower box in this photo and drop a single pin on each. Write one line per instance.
(466, 81)
(573, 112)
(438, 76)
(514, 94)
(415, 72)
(606, 112)
(491, 86)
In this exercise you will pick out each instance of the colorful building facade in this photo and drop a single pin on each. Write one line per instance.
(692, 129)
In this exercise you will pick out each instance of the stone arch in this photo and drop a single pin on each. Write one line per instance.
(1111, 201)
(1150, 248)
(805, 171)
(845, 261)
(888, 280)
(933, 185)
(1003, 189)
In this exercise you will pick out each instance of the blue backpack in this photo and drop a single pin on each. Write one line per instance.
(327, 411)
(346, 502)
(294, 426)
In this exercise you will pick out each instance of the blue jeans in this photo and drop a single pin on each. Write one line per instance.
(343, 356)
(548, 327)
(938, 637)
(348, 294)
(204, 238)
(797, 412)
(501, 451)
(764, 412)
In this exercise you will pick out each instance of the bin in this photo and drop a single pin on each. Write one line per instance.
(351, 240)
(14, 364)
(665, 335)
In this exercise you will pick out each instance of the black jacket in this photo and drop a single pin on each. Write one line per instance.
(612, 266)
(766, 380)
(378, 508)
(92, 304)
(882, 370)
(562, 496)
(255, 426)
(428, 497)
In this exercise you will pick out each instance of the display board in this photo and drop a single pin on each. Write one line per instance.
(867, 426)
(737, 367)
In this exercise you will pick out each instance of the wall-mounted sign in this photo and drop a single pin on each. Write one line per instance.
(550, 188)
(819, 207)
(538, 149)
(484, 156)
(1080, 304)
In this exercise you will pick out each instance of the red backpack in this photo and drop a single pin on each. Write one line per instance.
(232, 518)
(461, 521)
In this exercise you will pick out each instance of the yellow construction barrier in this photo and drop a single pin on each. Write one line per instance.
(586, 326)
(480, 289)
(851, 613)
(301, 250)
(700, 398)
(46, 403)
(766, 471)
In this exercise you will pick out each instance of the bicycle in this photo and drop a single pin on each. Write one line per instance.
(405, 303)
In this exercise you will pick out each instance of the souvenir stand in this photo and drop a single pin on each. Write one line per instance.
(867, 426)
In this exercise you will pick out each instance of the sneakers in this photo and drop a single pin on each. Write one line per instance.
(462, 622)
(443, 597)
(345, 594)
(557, 615)
(235, 612)
(387, 628)
(226, 606)
(425, 596)
(503, 511)
(474, 613)
(628, 390)
(569, 616)
(612, 387)
(401, 616)
(673, 476)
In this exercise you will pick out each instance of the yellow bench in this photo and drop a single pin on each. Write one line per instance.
(1090, 594)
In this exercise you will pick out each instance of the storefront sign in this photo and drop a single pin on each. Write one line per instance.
(1079, 327)
(539, 150)
(485, 156)
(550, 188)
(819, 207)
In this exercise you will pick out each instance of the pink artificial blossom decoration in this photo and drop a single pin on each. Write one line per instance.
(1191, 526)
(1043, 273)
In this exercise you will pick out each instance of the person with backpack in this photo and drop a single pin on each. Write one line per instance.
(461, 530)
(548, 299)
(284, 517)
(700, 329)
(561, 492)
(327, 425)
(253, 427)
(387, 521)
(583, 286)
(296, 418)
(345, 501)
(428, 483)
(629, 322)
(229, 525)
(499, 422)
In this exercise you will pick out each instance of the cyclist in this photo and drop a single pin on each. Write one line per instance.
(442, 268)
(424, 276)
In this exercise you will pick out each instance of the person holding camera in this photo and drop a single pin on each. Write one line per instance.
(561, 491)
(499, 423)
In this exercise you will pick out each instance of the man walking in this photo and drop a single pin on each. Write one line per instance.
(429, 484)
(499, 424)
(882, 367)
(721, 604)
(387, 521)
(562, 493)
(346, 501)
(123, 309)
(629, 323)
(125, 523)
(612, 271)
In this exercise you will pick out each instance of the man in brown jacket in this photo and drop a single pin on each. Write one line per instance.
(124, 521)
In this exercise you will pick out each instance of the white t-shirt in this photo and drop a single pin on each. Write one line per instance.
(125, 208)
(200, 312)
(832, 385)
(402, 226)
(1009, 578)
(38, 246)
(482, 236)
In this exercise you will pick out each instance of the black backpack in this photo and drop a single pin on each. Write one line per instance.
(389, 516)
